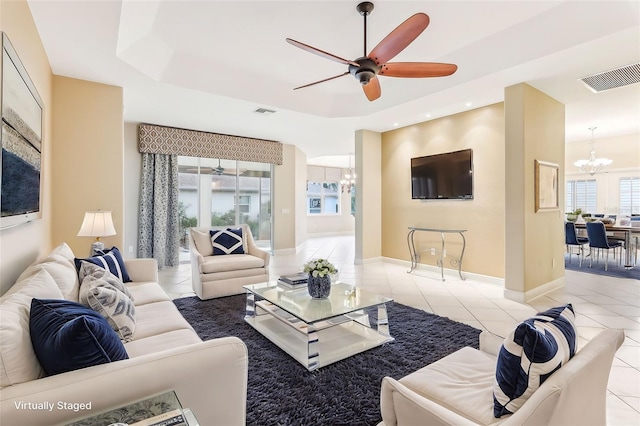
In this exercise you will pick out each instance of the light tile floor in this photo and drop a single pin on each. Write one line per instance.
(600, 302)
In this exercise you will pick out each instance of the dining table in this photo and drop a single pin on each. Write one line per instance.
(628, 232)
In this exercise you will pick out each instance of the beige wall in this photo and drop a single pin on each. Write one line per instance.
(88, 159)
(369, 197)
(289, 220)
(534, 240)
(132, 175)
(482, 130)
(22, 245)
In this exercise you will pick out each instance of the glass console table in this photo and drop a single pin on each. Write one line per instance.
(455, 261)
(318, 332)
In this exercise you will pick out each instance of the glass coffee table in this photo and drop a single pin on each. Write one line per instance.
(318, 332)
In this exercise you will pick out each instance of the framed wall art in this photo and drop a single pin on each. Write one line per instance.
(21, 141)
(546, 185)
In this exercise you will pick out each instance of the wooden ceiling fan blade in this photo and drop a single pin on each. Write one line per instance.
(319, 52)
(321, 81)
(372, 89)
(399, 38)
(417, 69)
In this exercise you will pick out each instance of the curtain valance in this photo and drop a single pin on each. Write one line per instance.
(155, 139)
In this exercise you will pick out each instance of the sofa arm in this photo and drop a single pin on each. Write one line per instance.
(399, 405)
(210, 378)
(140, 270)
(256, 251)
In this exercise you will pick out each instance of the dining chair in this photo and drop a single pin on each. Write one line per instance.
(572, 239)
(598, 239)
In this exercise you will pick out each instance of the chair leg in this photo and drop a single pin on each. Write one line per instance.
(606, 259)
(581, 254)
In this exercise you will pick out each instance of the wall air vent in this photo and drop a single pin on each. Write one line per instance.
(619, 77)
(264, 111)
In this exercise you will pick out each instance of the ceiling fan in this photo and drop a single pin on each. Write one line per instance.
(367, 68)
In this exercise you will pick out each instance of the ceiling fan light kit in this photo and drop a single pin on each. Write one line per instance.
(367, 68)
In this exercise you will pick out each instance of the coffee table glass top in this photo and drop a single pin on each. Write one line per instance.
(344, 298)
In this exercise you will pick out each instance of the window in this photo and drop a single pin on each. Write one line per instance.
(244, 203)
(629, 196)
(323, 198)
(581, 194)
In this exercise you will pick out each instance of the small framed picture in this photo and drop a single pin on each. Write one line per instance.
(546, 185)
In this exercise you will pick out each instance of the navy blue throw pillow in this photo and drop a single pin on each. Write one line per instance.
(109, 259)
(67, 336)
(530, 354)
(227, 241)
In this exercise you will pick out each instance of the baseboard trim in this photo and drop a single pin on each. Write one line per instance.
(528, 296)
(368, 260)
(330, 234)
(284, 252)
(448, 273)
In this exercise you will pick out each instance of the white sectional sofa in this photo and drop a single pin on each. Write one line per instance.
(164, 354)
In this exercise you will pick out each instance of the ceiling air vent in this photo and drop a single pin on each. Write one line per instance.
(264, 111)
(619, 77)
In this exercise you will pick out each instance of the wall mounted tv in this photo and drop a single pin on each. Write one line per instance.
(443, 176)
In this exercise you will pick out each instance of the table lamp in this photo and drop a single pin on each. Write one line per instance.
(97, 224)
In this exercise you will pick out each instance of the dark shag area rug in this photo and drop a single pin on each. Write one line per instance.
(282, 392)
(614, 269)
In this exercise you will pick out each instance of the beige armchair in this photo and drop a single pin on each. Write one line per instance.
(458, 389)
(224, 275)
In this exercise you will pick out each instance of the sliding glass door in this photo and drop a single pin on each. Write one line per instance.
(215, 192)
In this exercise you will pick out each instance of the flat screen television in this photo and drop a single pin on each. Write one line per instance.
(443, 176)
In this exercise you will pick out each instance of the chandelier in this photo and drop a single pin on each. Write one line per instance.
(593, 165)
(349, 179)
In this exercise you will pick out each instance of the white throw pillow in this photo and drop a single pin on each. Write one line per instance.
(18, 361)
(64, 250)
(64, 273)
(100, 290)
(203, 242)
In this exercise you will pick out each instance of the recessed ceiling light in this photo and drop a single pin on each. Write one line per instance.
(395, 124)
(427, 115)
(468, 104)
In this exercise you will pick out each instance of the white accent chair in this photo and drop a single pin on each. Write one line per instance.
(224, 275)
(458, 389)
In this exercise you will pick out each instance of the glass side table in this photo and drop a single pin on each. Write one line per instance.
(162, 409)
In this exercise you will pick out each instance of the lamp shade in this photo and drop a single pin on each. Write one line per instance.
(97, 224)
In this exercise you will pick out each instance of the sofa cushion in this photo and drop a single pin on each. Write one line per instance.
(110, 259)
(462, 382)
(231, 262)
(68, 336)
(530, 354)
(18, 361)
(162, 342)
(100, 290)
(157, 318)
(203, 242)
(227, 241)
(146, 292)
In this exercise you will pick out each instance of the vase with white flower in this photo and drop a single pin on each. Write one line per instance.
(319, 283)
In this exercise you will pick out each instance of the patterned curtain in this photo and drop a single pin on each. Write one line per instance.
(158, 230)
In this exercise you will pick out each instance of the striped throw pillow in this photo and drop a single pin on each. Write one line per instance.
(111, 260)
(530, 354)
